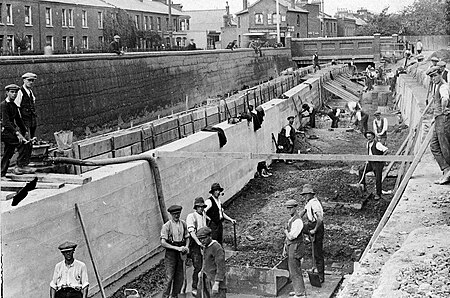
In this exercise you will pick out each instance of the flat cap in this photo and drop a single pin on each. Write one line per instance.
(377, 113)
(199, 202)
(175, 209)
(291, 203)
(116, 36)
(290, 117)
(441, 64)
(29, 75)
(307, 188)
(435, 59)
(12, 87)
(67, 246)
(433, 70)
(203, 232)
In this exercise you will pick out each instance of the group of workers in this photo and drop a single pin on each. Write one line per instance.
(19, 122)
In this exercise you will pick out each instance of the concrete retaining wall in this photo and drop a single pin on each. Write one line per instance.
(102, 90)
(120, 207)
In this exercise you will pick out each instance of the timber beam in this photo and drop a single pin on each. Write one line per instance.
(265, 156)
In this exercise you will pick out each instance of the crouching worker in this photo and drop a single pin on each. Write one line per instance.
(212, 277)
(294, 248)
(175, 239)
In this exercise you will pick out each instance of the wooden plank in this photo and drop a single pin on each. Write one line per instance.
(51, 178)
(165, 126)
(399, 151)
(124, 140)
(262, 156)
(398, 194)
(88, 150)
(6, 195)
(136, 148)
(15, 186)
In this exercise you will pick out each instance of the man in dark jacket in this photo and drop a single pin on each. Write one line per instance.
(114, 46)
(13, 132)
(213, 279)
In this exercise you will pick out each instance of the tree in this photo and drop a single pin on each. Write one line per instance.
(447, 15)
(426, 17)
(383, 23)
(120, 23)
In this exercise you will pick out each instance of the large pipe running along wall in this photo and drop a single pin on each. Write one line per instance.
(99, 91)
(120, 206)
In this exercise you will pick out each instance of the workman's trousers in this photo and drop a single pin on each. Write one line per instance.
(363, 124)
(68, 293)
(440, 141)
(174, 273)
(377, 168)
(334, 120)
(312, 119)
(205, 287)
(22, 160)
(216, 231)
(295, 267)
(318, 248)
(31, 124)
(197, 261)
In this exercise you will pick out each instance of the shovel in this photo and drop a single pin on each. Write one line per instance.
(314, 278)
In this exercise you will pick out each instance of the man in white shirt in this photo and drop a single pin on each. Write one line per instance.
(26, 101)
(419, 47)
(308, 111)
(380, 127)
(294, 248)
(70, 279)
(195, 221)
(315, 227)
(373, 148)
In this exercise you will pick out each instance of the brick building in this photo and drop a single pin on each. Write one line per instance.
(346, 26)
(259, 21)
(205, 27)
(77, 25)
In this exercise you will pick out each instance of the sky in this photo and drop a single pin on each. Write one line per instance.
(331, 6)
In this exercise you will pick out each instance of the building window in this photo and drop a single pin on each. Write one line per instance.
(298, 20)
(167, 24)
(151, 23)
(259, 18)
(100, 20)
(269, 19)
(9, 16)
(239, 22)
(136, 21)
(187, 25)
(10, 42)
(70, 15)
(84, 42)
(48, 17)
(84, 20)
(182, 25)
(145, 22)
(1, 19)
(158, 23)
(175, 23)
(49, 41)
(283, 18)
(64, 17)
(100, 41)
(274, 18)
(29, 39)
(71, 42)
(64, 43)
(28, 16)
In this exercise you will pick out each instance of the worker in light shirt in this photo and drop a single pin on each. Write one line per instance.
(380, 126)
(362, 118)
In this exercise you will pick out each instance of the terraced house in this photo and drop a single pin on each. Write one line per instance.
(78, 25)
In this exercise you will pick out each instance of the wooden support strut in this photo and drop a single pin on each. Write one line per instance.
(261, 156)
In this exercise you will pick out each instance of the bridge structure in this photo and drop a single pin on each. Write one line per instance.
(360, 49)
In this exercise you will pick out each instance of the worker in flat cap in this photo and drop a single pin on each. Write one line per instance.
(114, 46)
(430, 89)
(26, 101)
(195, 221)
(13, 132)
(286, 138)
(361, 117)
(175, 239)
(380, 126)
(213, 281)
(294, 247)
(442, 65)
(315, 227)
(309, 111)
(374, 147)
(70, 279)
(440, 141)
(215, 212)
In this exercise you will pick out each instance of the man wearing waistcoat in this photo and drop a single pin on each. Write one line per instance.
(380, 126)
(13, 132)
(373, 148)
(215, 213)
(175, 239)
(440, 141)
(294, 248)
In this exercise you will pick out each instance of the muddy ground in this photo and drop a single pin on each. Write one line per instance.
(261, 217)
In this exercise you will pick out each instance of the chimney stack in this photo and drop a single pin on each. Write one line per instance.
(245, 4)
(292, 3)
(227, 9)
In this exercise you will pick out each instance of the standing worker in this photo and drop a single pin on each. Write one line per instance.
(175, 239)
(213, 283)
(70, 279)
(334, 116)
(373, 148)
(308, 110)
(430, 90)
(419, 47)
(315, 227)
(444, 70)
(26, 101)
(315, 59)
(195, 221)
(362, 118)
(215, 213)
(13, 132)
(294, 248)
(440, 141)
(380, 127)
(286, 138)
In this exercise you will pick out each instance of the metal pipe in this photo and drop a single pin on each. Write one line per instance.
(278, 22)
(118, 160)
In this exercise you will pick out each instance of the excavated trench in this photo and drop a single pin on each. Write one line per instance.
(350, 217)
